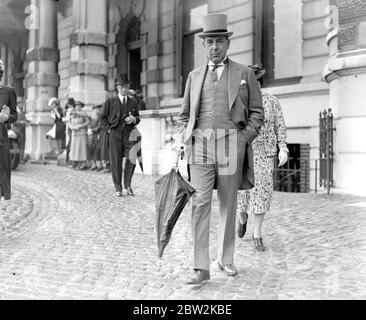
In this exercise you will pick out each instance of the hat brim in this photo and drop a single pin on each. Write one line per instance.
(121, 83)
(215, 34)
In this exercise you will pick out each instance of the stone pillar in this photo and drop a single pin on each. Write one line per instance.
(346, 74)
(88, 42)
(151, 52)
(42, 79)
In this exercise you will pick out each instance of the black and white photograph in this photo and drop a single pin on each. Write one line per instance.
(182, 150)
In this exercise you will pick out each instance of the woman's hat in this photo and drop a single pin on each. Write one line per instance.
(122, 79)
(53, 100)
(215, 25)
(79, 103)
(258, 71)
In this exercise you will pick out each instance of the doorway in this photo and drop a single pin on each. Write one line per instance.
(134, 68)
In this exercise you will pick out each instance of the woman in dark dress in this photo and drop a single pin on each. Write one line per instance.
(8, 114)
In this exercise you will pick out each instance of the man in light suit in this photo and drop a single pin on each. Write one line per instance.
(221, 114)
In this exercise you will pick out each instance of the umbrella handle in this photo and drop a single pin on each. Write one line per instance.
(178, 156)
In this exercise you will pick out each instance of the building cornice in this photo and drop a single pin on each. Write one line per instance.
(345, 64)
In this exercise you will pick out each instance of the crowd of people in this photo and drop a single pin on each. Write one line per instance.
(85, 139)
(220, 96)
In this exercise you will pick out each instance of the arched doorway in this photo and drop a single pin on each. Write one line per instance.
(129, 50)
(133, 44)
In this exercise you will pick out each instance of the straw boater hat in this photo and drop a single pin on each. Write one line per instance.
(258, 71)
(215, 25)
(54, 100)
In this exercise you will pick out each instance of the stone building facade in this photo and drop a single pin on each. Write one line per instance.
(314, 52)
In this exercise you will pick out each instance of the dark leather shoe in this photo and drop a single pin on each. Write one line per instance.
(229, 269)
(130, 191)
(199, 276)
(258, 243)
(242, 227)
(93, 168)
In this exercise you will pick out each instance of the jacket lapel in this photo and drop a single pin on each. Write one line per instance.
(234, 75)
(197, 83)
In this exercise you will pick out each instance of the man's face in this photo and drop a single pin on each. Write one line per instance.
(123, 89)
(216, 48)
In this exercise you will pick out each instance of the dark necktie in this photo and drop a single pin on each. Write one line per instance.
(214, 71)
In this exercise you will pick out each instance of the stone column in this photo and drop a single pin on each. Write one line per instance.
(42, 79)
(88, 42)
(346, 74)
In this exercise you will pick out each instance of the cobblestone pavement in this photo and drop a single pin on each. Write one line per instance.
(65, 236)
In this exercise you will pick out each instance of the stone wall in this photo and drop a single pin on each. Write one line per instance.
(314, 33)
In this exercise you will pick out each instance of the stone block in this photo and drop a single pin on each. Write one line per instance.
(85, 37)
(167, 60)
(42, 54)
(167, 33)
(167, 6)
(152, 102)
(168, 46)
(87, 67)
(152, 76)
(351, 9)
(167, 74)
(167, 19)
(315, 47)
(313, 9)
(153, 49)
(347, 37)
(362, 34)
(42, 80)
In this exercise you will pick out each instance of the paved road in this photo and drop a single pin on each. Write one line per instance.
(65, 236)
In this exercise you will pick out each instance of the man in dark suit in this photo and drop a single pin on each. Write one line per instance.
(221, 114)
(8, 115)
(119, 116)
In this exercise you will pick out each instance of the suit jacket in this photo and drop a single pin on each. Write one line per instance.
(111, 114)
(245, 109)
(8, 97)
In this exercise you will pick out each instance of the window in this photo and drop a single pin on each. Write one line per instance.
(193, 54)
(280, 38)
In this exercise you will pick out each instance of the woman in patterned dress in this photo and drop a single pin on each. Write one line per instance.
(257, 201)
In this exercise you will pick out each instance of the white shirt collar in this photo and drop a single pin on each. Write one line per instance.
(121, 98)
(210, 63)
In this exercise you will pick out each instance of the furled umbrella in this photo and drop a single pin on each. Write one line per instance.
(172, 193)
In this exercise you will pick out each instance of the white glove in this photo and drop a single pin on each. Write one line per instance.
(282, 157)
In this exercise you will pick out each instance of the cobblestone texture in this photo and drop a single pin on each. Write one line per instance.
(65, 236)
